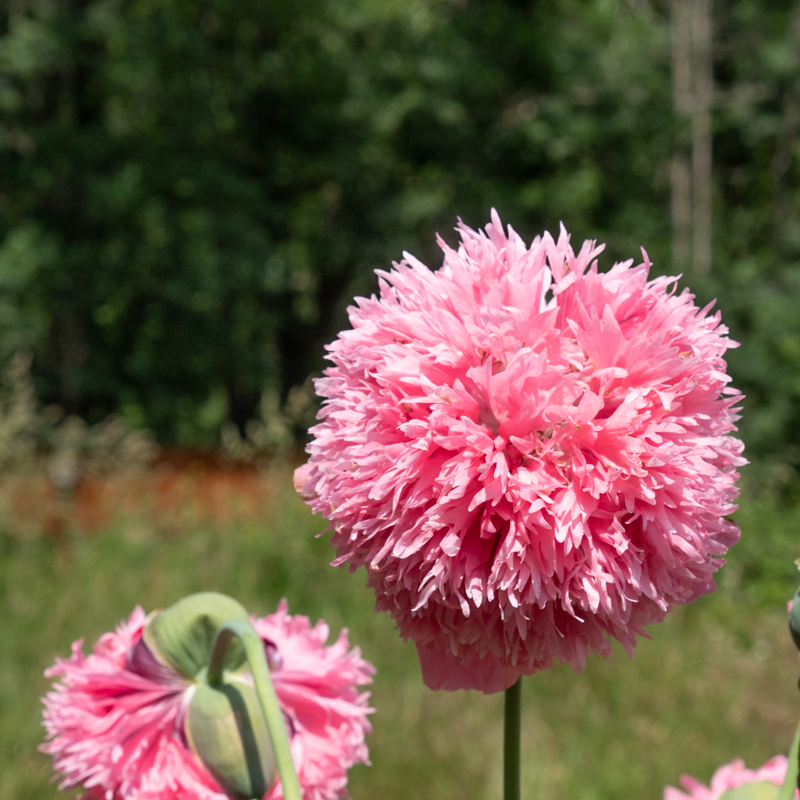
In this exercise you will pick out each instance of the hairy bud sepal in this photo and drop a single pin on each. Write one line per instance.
(182, 634)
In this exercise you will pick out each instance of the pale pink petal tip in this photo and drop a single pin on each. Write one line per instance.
(300, 479)
(529, 456)
(729, 776)
(118, 733)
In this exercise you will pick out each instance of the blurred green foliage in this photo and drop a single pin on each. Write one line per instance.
(717, 681)
(192, 192)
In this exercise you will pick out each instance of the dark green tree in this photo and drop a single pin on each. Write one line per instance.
(192, 192)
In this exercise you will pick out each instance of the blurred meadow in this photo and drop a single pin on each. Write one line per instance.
(717, 680)
(192, 192)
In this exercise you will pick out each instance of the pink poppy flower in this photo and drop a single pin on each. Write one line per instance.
(115, 720)
(731, 776)
(530, 457)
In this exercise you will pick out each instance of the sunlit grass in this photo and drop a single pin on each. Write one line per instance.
(717, 680)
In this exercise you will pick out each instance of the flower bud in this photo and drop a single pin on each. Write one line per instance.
(181, 635)
(794, 618)
(193, 736)
(224, 724)
(226, 730)
(758, 790)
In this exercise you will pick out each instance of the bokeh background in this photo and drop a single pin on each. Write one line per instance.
(192, 192)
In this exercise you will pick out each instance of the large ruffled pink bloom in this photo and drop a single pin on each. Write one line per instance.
(530, 457)
(114, 725)
(731, 776)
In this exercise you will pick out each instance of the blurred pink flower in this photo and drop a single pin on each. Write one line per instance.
(529, 457)
(731, 776)
(115, 720)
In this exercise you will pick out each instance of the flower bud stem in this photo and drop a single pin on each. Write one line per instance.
(511, 741)
(789, 785)
(254, 649)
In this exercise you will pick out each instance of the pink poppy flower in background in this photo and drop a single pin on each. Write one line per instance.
(530, 457)
(730, 776)
(115, 720)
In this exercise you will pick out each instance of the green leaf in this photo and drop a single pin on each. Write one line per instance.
(182, 634)
(760, 790)
(227, 731)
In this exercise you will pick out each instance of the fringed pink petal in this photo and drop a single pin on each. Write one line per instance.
(114, 721)
(729, 776)
(528, 456)
(114, 732)
(318, 688)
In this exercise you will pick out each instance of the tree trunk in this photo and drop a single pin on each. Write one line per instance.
(692, 97)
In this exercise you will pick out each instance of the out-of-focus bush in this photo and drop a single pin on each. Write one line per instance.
(275, 432)
(191, 193)
(42, 441)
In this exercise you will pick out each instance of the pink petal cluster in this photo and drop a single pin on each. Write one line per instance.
(530, 457)
(731, 776)
(116, 729)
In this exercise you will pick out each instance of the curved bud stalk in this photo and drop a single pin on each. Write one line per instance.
(233, 722)
(227, 634)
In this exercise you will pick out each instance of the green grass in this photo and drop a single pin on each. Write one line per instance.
(716, 681)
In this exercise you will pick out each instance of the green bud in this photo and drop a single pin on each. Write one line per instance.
(226, 730)
(224, 724)
(794, 619)
(182, 634)
(760, 790)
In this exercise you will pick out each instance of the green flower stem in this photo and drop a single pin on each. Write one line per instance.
(790, 781)
(254, 649)
(511, 741)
